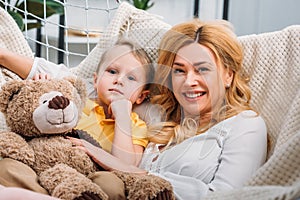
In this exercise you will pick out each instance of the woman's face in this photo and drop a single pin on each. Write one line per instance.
(198, 82)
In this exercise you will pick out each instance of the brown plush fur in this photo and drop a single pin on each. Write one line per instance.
(35, 139)
(145, 187)
(62, 169)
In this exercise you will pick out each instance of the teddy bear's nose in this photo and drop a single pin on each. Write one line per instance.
(58, 102)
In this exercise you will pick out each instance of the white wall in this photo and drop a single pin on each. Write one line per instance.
(173, 11)
(258, 16)
(247, 16)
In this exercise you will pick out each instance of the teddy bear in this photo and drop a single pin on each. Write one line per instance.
(40, 114)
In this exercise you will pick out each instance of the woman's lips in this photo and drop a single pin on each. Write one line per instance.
(193, 95)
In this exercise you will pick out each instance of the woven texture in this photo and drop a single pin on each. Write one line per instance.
(10, 38)
(137, 25)
(272, 60)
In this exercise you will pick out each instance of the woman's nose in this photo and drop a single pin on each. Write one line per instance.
(191, 79)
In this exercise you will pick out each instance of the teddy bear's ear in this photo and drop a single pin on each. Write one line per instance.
(8, 91)
(79, 85)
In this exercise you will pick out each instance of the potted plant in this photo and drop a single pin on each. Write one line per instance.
(36, 10)
(142, 4)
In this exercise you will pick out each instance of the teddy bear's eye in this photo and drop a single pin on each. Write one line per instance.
(13, 94)
(45, 101)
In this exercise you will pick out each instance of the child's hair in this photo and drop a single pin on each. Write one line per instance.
(139, 53)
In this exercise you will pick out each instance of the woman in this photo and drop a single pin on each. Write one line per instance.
(211, 139)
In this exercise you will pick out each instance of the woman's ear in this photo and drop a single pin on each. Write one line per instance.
(228, 78)
(142, 96)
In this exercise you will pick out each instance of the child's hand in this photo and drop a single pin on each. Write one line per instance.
(41, 77)
(120, 108)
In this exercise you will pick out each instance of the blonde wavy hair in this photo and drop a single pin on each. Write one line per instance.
(219, 37)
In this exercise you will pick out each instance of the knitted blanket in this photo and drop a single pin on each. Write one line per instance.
(272, 60)
(10, 38)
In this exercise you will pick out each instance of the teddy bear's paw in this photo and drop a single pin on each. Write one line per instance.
(88, 196)
(164, 195)
(150, 187)
(15, 147)
(65, 182)
(146, 186)
(79, 189)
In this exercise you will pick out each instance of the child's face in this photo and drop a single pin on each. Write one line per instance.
(121, 76)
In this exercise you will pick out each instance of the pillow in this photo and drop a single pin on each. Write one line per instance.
(272, 62)
(11, 38)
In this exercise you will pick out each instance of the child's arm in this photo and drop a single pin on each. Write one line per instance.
(19, 64)
(122, 146)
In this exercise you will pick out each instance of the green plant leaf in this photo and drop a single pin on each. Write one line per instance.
(18, 19)
(34, 25)
(36, 7)
(142, 4)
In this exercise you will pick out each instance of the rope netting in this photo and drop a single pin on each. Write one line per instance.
(66, 37)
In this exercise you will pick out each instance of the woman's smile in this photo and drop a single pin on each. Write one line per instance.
(193, 95)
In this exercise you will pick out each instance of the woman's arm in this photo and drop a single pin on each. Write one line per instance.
(27, 68)
(244, 151)
(104, 159)
(19, 64)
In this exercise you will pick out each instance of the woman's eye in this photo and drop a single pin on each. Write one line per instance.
(177, 71)
(202, 69)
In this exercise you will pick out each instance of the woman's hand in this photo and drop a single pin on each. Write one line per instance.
(103, 158)
(87, 147)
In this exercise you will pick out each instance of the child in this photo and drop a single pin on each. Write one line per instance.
(121, 80)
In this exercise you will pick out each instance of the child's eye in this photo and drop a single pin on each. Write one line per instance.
(111, 71)
(132, 78)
